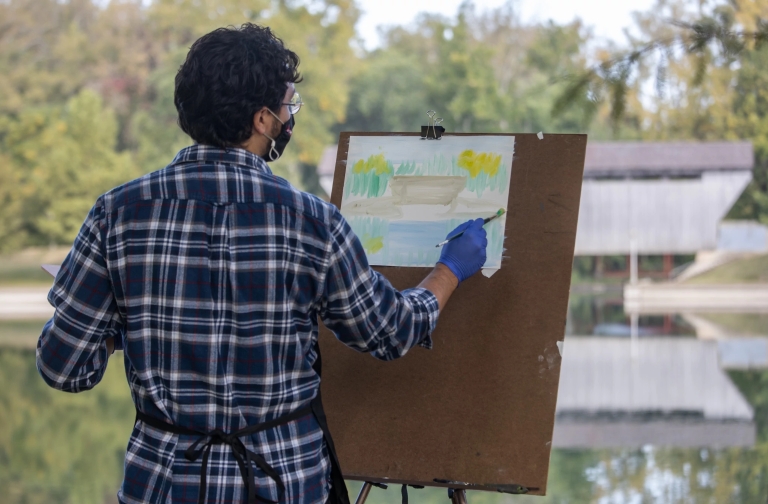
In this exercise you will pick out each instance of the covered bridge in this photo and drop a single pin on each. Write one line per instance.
(668, 197)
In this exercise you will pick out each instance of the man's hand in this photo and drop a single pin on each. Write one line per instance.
(460, 259)
(466, 254)
(110, 345)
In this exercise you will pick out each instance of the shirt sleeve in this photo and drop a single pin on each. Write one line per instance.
(71, 352)
(362, 308)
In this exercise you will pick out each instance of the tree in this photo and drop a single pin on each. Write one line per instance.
(708, 69)
(321, 33)
(86, 99)
(388, 94)
(750, 115)
(62, 160)
(480, 72)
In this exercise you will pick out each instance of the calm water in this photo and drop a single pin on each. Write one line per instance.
(62, 448)
(603, 315)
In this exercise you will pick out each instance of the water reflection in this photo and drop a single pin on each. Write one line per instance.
(656, 419)
(661, 391)
(602, 314)
(57, 447)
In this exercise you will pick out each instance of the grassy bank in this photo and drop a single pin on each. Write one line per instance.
(23, 268)
(749, 270)
(755, 324)
(20, 333)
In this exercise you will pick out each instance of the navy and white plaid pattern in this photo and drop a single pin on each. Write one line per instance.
(213, 272)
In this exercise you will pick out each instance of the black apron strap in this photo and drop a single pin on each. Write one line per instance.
(339, 493)
(244, 457)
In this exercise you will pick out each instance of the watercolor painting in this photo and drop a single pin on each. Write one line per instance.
(402, 195)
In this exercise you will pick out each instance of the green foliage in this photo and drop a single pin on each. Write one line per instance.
(481, 72)
(708, 61)
(387, 94)
(153, 132)
(750, 115)
(11, 216)
(61, 160)
(484, 73)
(86, 99)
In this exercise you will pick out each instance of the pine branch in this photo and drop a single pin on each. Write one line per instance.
(612, 77)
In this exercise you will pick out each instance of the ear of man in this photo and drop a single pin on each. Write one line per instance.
(264, 123)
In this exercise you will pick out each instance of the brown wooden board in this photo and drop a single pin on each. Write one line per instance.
(478, 408)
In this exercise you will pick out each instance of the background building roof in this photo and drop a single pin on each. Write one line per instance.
(632, 159)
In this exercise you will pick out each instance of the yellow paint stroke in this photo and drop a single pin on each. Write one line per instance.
(372, 244)
(377, 163)
(481, 162)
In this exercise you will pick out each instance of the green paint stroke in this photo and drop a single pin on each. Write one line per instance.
(407, 168)
(370, 177)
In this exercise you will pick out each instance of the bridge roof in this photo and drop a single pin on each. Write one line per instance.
(648, 159)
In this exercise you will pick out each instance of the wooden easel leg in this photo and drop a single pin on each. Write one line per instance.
(364, 491)
(459, 497)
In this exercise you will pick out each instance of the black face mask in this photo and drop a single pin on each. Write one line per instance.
(280, 141)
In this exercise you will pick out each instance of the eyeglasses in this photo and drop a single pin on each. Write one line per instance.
(295, 104)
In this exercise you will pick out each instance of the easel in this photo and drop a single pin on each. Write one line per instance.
(457, 495)
(432, 131)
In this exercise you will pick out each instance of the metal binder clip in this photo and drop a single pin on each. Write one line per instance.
(433, 131)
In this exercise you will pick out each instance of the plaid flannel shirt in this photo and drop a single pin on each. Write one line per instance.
(211, 274)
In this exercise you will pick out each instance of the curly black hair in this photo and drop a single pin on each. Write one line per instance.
(229, 75)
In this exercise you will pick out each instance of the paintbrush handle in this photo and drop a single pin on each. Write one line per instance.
(485, 221)
(449, 239)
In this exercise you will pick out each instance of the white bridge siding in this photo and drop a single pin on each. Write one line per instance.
(664, 216)
(667, 197)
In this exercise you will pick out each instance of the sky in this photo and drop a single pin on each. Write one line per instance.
(606, 17)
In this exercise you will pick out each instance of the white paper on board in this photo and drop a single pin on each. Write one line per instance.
(51, 269)
(402, 196)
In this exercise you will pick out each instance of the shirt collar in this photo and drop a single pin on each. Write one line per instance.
(233, 155)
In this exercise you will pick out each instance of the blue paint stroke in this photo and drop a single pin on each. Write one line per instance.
(412, 243)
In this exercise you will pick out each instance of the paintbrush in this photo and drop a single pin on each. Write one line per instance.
(485, 221)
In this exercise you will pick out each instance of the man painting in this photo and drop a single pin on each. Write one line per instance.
(211, 275)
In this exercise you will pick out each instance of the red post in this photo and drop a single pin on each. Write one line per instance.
(668, 265)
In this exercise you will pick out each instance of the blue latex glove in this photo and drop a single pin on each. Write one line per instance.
(465, 255)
